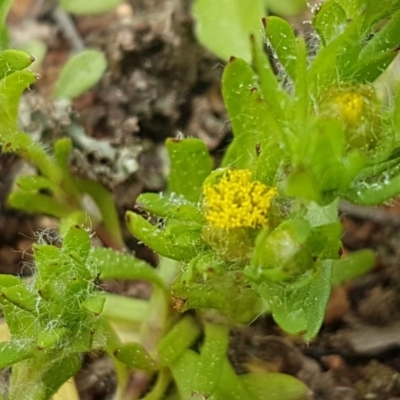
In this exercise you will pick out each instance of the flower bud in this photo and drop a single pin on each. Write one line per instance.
(357, 108)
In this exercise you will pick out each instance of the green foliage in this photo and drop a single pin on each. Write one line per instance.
(56, 192)
(318, 132)
(46, 336)
(4, 8)
(308, 131)
(80, 73)
(225, 25)
(186, 178)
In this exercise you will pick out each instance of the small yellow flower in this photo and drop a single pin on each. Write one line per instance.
(357, 107)
(350, 106)
(237, 201)
(353, 104)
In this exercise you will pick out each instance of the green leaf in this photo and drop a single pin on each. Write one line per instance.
(13, 352)
(224, 26)
(247, 112)
(283, 41)
(50, 338)
(135, 356)
(212, 358)
(183, 371)
(89, 6)
(37, 50)
(322, 167)
(21, 297)
(169, 207)
(396, 113)
(178, 339)
(37, 203)
(299, 307)
(228, 387)
(59, 373)
(8, 281)
(95, 304)
(47, 264)
(77, 239)
(370, 194)
(11, 89)
(301, 183)
(318, 215)
(80, 73)
(203, 373)
(352, 266)
(384, 40)
(115, 308)
(34, 182)
(351, 7)
(274, 386)
(13, 60)
(270, 110)
(4, 8)
(302, 99)
(22, 324)
(369, 69)
(282, 254)
(376, 11)
(178, 241)
(335, 61)
(190, 165)
(118, 265)
(330, 21)
(273, 94)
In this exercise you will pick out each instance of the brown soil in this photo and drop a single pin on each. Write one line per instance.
(162, 83)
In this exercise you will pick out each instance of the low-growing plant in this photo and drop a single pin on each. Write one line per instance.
(260, 234)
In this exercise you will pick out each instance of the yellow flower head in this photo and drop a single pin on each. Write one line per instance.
(351, 106)
(236, 201)
(357, 107)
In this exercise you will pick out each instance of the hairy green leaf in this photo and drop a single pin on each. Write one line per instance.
(283, 41)
(190, 165)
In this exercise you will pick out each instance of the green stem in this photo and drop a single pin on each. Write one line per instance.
(160, 315)
(162, 383)
(26, 382)
(105, 203)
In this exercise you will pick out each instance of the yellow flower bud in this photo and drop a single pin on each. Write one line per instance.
(357, 108)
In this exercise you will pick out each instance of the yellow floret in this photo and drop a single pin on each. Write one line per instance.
(236, 201)
(351, 106)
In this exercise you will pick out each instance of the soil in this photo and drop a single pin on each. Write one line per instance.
(162, 83)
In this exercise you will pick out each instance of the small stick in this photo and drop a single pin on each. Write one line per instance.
(64, 21)
(374, 214)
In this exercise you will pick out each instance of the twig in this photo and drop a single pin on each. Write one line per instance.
(374, 214)
(68, 29)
